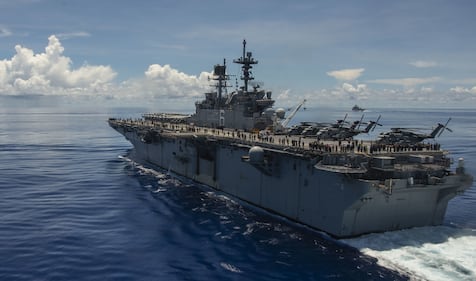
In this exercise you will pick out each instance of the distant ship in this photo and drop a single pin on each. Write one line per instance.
(238, 143)
(357, 108)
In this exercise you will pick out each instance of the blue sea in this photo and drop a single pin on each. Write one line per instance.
(74, 205)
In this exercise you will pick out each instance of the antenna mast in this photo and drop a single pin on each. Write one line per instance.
(247, 61)
(220, 76)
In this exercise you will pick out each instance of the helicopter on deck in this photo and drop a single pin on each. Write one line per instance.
(339, 131)
(411, 136)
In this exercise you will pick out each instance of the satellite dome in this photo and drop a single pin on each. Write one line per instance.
(256, 154)
(269, 112)
(280, 112)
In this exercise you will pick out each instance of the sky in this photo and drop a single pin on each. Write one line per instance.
(161, 53)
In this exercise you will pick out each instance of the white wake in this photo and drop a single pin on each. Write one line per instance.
(426, 253)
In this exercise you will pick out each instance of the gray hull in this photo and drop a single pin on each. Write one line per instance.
(296, 187)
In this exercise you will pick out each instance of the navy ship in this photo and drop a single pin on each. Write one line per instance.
(357, 108)
(238, 143)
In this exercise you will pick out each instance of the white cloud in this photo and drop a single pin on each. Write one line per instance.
(50, 73)
(343, 95)
(164, 84)
(406, 82)
(72, 35)
(427, 90)
(166, 73)
(351, 89)
(346, 74)
(423, 64)
(4, 32)
(347, 94)
(284, 95)
(463, 90)
(168, 82)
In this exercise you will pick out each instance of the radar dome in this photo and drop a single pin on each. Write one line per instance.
(256, 154)
(269, 112)
(280, 112)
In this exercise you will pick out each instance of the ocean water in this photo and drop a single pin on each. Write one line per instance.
(75, 206)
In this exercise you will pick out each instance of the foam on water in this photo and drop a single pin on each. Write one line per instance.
(427, 253)
(230, 267)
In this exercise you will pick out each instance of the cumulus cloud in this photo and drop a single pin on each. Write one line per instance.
(164, 82)
(50, 72)
(167, 81)
(463, 90)
(351, 89)
(348, 94)
(423, 64)
(427, 90)
(346, 74)
(343, 95)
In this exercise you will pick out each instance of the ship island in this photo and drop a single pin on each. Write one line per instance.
(311, 173)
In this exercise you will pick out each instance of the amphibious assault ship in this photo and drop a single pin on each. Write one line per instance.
(239, 144)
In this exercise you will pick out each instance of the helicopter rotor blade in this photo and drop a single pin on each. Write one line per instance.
(342, 121)
(445, 127)
(376, 123)
(360, 122)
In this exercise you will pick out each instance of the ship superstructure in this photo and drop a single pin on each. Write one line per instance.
(343, 187)
(242, 109)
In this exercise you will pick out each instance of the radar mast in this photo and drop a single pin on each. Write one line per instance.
(220, 75)
(247, 61)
